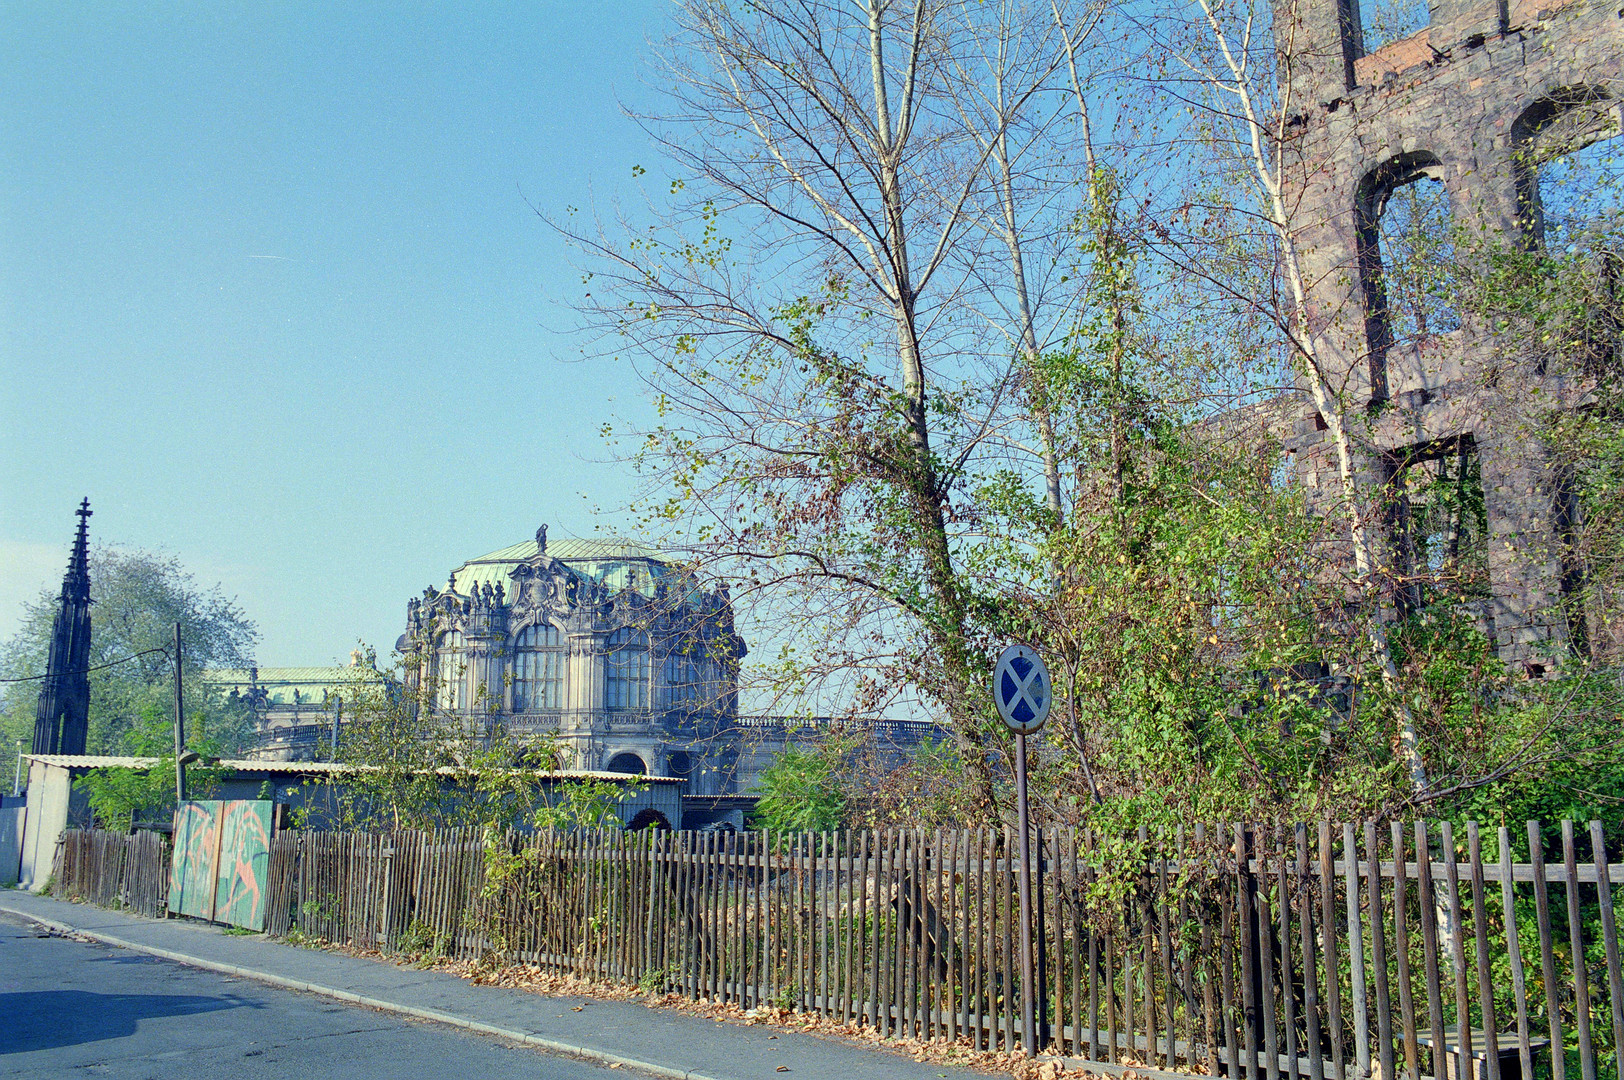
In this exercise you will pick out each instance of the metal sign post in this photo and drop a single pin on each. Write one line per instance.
(1020, 690)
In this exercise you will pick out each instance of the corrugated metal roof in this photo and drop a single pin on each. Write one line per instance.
(101, 761)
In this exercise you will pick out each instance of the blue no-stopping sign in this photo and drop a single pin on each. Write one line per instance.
(1020, 689)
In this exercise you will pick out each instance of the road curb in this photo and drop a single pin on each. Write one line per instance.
(588, 1053)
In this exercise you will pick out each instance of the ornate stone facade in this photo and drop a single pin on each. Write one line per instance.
(617, 650)
(611, 646)
(297, 710)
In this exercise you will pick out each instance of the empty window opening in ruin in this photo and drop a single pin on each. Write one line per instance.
(1579, 606)
(1439, 523)
(1571, 172)
(1282, 466)
(1406, 258)
(1387, 21)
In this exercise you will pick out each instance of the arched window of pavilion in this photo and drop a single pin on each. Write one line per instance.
(682, 680)
(451, 672)
(539, 662)
(626, 670)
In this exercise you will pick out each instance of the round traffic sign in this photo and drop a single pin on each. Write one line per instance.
(1020, 689)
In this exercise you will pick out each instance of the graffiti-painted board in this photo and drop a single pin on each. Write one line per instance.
(222, 860)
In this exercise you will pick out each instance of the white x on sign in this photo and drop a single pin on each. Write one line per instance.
(1020, 689)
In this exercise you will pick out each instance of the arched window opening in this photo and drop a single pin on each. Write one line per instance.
(1440, 523)
(1570, 184)
(548, 759)
(1571, 170)
(1417, 252)
(627, 763)
(539, 663)
(1581, 198)
(1387, 21)
(451, 672)
(684, 680)
(626, 674)
(1406, 258)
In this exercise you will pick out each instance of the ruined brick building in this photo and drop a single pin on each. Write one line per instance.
(1481, 110)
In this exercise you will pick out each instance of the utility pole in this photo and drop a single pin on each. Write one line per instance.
(180, 729)
(17, 783)
(338, 720)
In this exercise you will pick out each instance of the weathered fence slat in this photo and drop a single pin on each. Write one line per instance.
(1547, 957)
(1429, 948)
(1615, 981)
(1508, 901)
(1378, 954)
(1480, 930)
(1581, 986)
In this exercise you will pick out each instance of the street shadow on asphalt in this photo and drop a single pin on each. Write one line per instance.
(49, 1019)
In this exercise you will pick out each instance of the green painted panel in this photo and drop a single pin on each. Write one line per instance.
(191, 873)
(245, 862)
(222, 861)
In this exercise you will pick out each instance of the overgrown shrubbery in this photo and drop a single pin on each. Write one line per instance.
(122, 797)
(417, 767)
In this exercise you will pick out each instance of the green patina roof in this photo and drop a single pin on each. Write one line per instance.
(312, 683)
(614, 564)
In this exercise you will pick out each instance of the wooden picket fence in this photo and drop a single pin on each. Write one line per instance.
(114, 870)
(377, 889)
(1318, 951)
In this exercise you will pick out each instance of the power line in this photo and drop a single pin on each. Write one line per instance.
(88, 670)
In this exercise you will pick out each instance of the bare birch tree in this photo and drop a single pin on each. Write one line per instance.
(835, 312)
(1234, 82)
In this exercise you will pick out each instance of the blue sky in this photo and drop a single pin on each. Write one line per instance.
(272, 297)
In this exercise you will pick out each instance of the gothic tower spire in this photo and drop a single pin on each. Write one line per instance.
(63, 720)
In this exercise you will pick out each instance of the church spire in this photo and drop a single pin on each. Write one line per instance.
(62, 721)
(76, 585)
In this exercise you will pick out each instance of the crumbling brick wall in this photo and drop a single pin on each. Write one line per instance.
(1458, 103)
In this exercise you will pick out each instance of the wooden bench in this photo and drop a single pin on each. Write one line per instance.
(1510, 1055)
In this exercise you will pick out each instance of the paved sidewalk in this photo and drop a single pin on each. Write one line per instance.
(668, 1043)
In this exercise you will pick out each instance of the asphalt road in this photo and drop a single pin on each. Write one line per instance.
(72, 1008)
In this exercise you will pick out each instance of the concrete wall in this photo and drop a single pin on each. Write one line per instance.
(53, 805)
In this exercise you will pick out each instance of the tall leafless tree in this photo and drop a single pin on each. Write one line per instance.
(839, 304)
